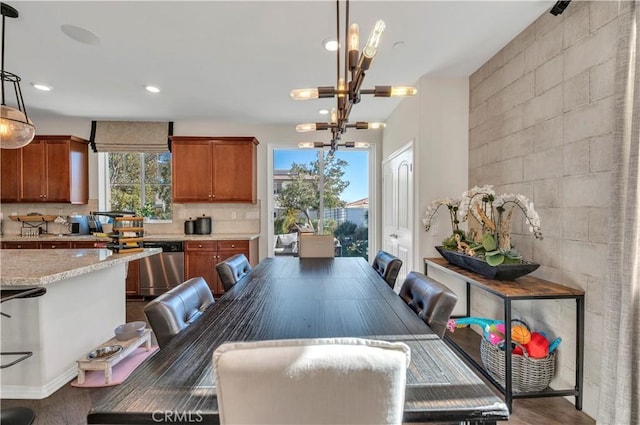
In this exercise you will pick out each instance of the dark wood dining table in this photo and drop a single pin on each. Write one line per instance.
(287, 297)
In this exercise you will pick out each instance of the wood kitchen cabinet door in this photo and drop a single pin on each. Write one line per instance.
(200, 259)
(9, 175)
(209, 169)
(234, 172)
(55, 169)
(132, 283)
(192, 170)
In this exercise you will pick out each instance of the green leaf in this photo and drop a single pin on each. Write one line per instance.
(494, 260)
(489, 242)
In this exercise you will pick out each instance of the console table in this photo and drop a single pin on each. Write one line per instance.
(523, 288)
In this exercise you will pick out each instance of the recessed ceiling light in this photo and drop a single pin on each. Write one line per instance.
(330, 44)
(41, 86)
(152, 89)
(323, 111)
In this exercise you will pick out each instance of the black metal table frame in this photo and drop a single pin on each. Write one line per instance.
(507, 390)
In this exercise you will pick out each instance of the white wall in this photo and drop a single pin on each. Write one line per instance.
(436, 120)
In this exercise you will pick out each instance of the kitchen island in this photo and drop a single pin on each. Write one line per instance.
(83, 303)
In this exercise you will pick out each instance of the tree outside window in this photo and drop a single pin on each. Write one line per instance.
(140, 182)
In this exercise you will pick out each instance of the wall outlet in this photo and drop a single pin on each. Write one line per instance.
(234, 215)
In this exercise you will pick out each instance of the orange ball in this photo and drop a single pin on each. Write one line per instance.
(520, 334)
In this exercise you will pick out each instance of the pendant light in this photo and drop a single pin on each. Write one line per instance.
(348, 89)
(16, 129)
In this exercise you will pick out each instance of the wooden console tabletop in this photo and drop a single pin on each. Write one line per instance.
(524, 288)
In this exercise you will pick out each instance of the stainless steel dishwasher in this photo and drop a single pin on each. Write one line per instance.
(161, 272)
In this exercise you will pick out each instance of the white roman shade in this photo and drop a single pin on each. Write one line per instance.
(130, 136)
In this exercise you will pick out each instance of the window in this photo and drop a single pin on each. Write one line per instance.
(139, 182)
(309, 184)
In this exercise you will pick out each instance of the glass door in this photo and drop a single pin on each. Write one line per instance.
(319, 193)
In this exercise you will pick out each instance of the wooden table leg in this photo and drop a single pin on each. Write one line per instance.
(148, 343)
(81, 376)
(107, 375)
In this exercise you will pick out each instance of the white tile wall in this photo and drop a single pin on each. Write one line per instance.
(562, 139)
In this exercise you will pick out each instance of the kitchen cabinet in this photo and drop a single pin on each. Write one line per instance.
(55, 245)
(132, 283)
(214, 169)
(21, 245)
(49, 169)
(201, 257)
(9, 172)
(88, 244)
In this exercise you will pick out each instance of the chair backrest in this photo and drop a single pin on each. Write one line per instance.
(387, 266)
(430, 299)
(316, 246)
(176, 309)
(311, 381)
(232, 270)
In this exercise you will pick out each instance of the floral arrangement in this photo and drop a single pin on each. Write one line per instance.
(494, 214)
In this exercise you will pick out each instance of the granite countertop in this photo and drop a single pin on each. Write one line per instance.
(39, 267)
(149, 237)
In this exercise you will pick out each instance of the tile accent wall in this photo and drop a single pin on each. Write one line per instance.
(541, 124)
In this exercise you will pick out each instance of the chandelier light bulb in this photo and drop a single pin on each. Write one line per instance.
(304, 94)
(305, 145)
(334, 116)
(374, 40)
(354, 37)
(403, 91)
(303, 128)
(376, 125)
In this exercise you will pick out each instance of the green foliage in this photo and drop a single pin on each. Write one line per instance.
(354, 239)
(134, 176)
(489, 242)
(302, 192)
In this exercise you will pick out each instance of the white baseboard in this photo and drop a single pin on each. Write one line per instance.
(38, 393)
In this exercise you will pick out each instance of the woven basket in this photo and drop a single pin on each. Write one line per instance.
(527, 374)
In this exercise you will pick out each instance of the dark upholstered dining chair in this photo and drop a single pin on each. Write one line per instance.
(430, 299)
(232, 270)
(176, 309)
(387, 266)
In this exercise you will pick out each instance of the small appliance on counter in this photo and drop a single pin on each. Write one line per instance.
(189, 226)
(78, 225)
(203, 225)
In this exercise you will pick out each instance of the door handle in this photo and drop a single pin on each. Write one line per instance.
(393, 235)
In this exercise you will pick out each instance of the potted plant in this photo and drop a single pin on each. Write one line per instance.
(486, 248)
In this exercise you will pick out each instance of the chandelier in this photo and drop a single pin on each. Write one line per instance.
(348, 89)
(16, 129)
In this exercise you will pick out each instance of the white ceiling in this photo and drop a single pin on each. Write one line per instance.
(236, 61)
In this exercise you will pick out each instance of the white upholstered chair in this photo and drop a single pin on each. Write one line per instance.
(311, 381)
(316, 246)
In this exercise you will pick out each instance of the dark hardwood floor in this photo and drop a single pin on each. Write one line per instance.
(69, 405)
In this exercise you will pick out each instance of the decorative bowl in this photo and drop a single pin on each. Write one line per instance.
(477, 265)
(104, 352)
(130, 330)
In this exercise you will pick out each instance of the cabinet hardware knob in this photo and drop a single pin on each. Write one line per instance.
(199, 246)
(53, 246)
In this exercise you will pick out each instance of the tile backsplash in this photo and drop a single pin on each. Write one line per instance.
(225, 218)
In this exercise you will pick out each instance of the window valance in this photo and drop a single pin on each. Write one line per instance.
(130, 136)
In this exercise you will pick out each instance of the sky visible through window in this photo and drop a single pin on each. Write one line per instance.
(357, 173)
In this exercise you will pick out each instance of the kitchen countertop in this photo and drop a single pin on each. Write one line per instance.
(149, 237)
(39, 267)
